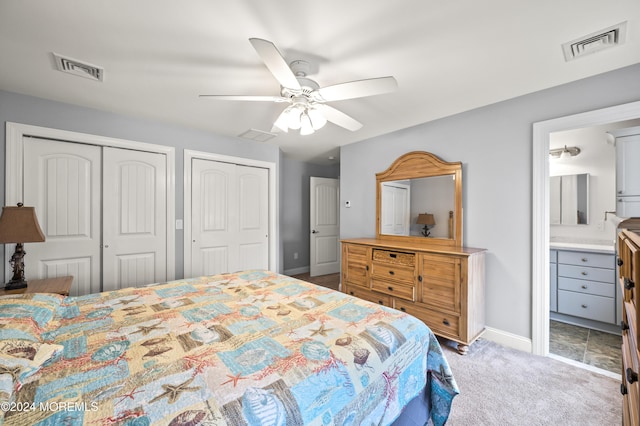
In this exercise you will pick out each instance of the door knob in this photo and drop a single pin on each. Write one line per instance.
(314, 231)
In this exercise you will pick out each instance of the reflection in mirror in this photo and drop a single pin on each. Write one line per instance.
(569, 199)
(402, 202)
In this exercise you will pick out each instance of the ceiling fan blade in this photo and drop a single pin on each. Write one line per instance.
(338, 117)
(276, 63)
(246, 98)
(358, 89)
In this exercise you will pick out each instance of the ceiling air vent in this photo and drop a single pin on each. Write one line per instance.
(257, 135)
(595, 42)
(81, 69)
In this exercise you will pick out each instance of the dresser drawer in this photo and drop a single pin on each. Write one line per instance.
(440, 323)
(380, 299)
(384, 271)
(392, 288)
(597, 260)
(587, 273)
(597, 308)
(587, 287)
(394, 257)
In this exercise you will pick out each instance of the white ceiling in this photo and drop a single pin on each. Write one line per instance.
(159, 55)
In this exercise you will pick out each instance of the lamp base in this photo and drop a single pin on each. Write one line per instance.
(15, 285)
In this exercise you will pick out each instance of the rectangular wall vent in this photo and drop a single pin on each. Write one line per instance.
(257, 135)
(81, 69)
(595, 42)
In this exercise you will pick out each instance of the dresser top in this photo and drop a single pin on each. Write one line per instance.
(399, 245)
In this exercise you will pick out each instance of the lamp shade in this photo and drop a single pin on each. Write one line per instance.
(426, 219)
(20, 225)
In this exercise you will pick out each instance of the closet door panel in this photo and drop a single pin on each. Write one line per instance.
(135, 222)
(62, 181)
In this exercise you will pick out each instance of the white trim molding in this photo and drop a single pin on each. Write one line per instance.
(189, 156)
(15, 134)
(540, 206)
(507, 339)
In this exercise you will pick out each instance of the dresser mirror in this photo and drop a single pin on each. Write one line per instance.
(419, 199)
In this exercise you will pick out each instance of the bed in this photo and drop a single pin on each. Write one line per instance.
(249, 348)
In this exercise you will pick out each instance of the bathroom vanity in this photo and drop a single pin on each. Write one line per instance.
(583, 287)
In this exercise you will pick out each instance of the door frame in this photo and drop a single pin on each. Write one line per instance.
(190, 155)
(15, 132)
(540, 208)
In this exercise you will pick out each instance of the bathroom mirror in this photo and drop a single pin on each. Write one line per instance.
(569, 199)
(419, 198)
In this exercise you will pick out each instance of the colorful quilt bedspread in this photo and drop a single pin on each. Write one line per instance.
(249, 348)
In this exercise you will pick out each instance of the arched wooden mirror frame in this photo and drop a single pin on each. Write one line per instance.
(420, 164)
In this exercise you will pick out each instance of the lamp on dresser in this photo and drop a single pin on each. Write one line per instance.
(19, 224)
(427, 220)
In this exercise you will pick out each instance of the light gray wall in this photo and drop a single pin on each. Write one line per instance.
(41, 112)
(494, 144)
(294, 216)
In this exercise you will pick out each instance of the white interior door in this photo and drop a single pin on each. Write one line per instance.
(324, 218)
(135, 218)
(62, 181)
(229, 223)
(395, 208)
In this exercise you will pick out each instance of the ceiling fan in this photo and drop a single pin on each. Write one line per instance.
(307, 109)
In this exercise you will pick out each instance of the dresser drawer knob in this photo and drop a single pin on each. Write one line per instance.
(584, 286)
(445, 322)
(366, 267)
(620, 262)
(390, 288)
(632, 376)
(623, 389)
(584, 306)
(403, 309)
(624, 326)
(351, 293)
(628, 284)
(420, 278)
(584, 259)
(391, 273)
(380, 302)
(584, 273)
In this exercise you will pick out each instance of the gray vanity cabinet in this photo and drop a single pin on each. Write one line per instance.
(553, 280)
(586, 285)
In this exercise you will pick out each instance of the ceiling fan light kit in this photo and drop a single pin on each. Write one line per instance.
(307, 110)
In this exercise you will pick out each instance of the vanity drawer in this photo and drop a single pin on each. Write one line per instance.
(597, 260)
(380, 299)
(394, 257)
(597, 308)
(586, 273)
(395, 289)
(587, 287)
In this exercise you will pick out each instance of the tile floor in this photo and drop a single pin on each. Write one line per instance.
(585, 345)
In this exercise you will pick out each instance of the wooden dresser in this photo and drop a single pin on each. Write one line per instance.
(629, 277)
(442, 286)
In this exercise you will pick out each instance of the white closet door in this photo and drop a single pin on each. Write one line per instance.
(229, 217)
(253, 215)
(62, 181)
(135, 218)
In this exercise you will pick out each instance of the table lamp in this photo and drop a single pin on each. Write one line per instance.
(19, 225)
(427, 220)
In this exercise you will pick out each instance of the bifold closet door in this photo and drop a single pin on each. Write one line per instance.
(134, 233)
(103, 213)
(63, 182)
(229, 217)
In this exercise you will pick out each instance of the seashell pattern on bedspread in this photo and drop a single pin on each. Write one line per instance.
(248, 348)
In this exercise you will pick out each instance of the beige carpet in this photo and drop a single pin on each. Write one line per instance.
(502, 386)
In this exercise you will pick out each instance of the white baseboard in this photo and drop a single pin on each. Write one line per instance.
(296, 271)
(509, 340)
